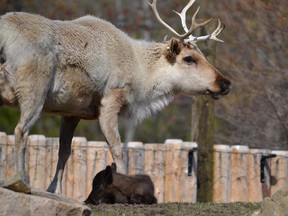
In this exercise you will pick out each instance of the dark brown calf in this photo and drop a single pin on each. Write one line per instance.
(112, 187)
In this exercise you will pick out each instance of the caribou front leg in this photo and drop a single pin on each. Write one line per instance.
(111, 105)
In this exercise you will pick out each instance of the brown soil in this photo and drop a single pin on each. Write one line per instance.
(175, 209)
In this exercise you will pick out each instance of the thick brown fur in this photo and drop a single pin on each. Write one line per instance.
(111, 187)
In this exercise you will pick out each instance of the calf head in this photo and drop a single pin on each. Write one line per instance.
(100, 188)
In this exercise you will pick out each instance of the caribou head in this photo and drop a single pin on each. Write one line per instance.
(182, 51)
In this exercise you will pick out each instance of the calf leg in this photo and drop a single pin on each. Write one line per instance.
(68, 126)
(137, 199)
(142, 199)
(108, 119)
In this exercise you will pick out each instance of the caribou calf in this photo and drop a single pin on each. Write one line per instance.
(88, 69)
(111, 187)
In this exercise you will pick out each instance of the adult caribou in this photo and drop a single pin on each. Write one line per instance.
(88, 69)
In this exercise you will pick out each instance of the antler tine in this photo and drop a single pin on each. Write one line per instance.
(183, 14)
(195, 25)
(217, 31)
(154, 8)
(212, 36)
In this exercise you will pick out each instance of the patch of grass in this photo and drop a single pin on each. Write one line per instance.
(177, 209)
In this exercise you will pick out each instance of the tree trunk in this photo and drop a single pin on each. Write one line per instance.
(202, 133)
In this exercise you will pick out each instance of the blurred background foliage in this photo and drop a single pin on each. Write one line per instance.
(254, 57)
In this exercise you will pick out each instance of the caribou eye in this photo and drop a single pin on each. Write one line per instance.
(189, 60)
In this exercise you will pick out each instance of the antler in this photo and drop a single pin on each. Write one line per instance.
(187, 36)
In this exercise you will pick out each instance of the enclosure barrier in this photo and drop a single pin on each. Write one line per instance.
(247, 175)
(167, 165)
(240, 173)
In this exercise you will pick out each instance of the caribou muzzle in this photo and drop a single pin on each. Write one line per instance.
(224, 85)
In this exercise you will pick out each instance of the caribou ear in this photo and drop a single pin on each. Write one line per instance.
(173, 49)
(108, 175)
(114, 167)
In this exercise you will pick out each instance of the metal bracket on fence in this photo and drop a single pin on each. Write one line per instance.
(263, 163)
(190, 160)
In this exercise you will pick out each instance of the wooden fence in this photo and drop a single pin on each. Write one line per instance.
(166, 164)
(248, 175)
(172, 167)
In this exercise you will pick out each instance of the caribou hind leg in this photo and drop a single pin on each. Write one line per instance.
(31, 89)
(28, 117)
(68, 126)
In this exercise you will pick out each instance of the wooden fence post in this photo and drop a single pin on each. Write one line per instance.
(79, 168)
(188, 176)
(3, 143)
(239, 173)
(135, 158)
(279, 170)
(52, 148)
(67, 181)
(96, 161)
(36, 160)
(172, 172)
(11, 156)
(154, 166)
(257, 191)
(176, 172)
(222, 174)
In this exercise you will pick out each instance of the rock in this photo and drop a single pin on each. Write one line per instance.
(277, 205)
(17, 184)
(39, 203)
(256, 213)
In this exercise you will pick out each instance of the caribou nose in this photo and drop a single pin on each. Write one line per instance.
(225, 86)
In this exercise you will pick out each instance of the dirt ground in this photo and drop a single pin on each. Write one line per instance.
(175, 209)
